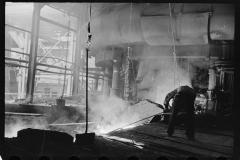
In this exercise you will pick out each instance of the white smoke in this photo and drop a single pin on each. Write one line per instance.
(15, 123)
(160, 79)
(110, 114)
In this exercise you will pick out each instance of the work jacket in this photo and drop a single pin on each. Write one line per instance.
(180, 91)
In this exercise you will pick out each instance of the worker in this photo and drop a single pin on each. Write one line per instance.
(183, 98)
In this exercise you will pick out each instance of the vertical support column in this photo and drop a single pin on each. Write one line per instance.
(81, 19)
(77, 61)
(24, 69)
(19, 78)
(33, 52)
(105, 81)
(115, 91)
(73, 57)
(102, 85)
(69, 77)
(82, 68)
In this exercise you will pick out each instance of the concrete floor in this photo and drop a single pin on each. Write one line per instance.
(146, 141)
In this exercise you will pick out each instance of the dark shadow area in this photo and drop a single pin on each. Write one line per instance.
(133, 158)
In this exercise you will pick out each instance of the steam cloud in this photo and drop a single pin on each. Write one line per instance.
(111, 114)
(160, 78)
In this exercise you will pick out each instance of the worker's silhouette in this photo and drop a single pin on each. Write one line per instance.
(183, 98)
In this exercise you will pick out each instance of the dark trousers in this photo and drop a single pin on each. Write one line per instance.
(179, 103)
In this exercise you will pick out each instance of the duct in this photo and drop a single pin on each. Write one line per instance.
(189, 29)
(190, 51)
(106, 57)
(159, 9)
(222, 22)
(111, 27)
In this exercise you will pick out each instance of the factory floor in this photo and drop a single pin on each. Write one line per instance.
(144, 141)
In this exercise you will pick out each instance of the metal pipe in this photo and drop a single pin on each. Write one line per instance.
(47, 65)
(105, 85)
(33, 52)
(57, 24)
(17, 52)
(222, 22)
(17, 65)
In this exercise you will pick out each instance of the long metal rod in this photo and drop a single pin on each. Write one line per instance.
(57, 24)
(70, 124)
(18, 28)
(161, 113)
(86, 90)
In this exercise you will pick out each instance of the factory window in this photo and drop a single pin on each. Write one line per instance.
(54, 94)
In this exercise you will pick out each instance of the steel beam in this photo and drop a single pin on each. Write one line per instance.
(33, 52)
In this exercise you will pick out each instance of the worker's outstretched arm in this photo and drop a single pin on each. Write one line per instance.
(168, 97)
(158, 105)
